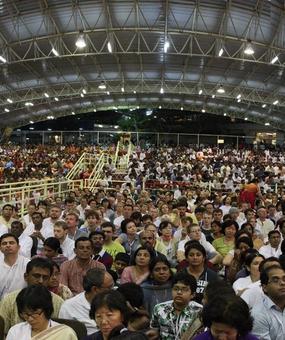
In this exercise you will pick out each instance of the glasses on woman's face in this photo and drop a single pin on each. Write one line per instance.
(33, 315)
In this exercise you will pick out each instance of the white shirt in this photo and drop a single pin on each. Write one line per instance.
(77, 308)
(67, 248)
(253, 295)
(12, 277)
(264, 227)
(46, 231)
(3, 229)
(210, 250)
(268, 251)
(26, 243)
(23, 331)
(242, 283)
(118, 220)
(82, 211)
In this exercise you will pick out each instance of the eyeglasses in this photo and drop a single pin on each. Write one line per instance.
(26, 315)
(277, 280)
(180, 289)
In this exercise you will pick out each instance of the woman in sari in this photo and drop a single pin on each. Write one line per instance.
(35, 307)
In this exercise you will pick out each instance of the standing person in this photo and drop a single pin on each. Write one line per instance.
(138, 271)
(173, 318)
(12, 265)
(95, 281)
(268, 315)
(195, 255)
(73, 271)
(60, 230)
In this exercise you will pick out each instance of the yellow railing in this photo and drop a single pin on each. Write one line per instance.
(85, 161)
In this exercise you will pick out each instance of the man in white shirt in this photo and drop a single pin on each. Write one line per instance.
(82, 207)
(27, 219)
(12, 265)
(274, 246)
(95, 281)
(127, 212)
(6, 217)
(60, 230)
(263, 224)
(54, 215)
(25, 241)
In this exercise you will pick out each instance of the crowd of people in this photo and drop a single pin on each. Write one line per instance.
(204, 261)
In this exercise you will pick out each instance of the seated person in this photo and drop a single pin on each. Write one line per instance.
(100, 254)
(122, 260)
(55, 286)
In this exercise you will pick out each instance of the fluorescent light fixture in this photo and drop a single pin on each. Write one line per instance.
(109, 46)
(116, 126)
(134, 92)
(239, 96)
(31, 128)
(138, 107)
(108, 93)
(148, 112)
(166, 46)
(29, 104)
(49, 129)
(50, 117)
(276, 102)
(203, 110)
(273, 61)
(221, 51)
(6, 110)
(225, 114)
(100, 125)
(94, 110)
(239, 100)
(264, 105)
(84, 91)
(82, 95)
(267, 124)
(249, 49)
(80, 42)
(200, 92)
(182, 108)
(221, 89)
(213, 96)
(159, 107)
(56, 99)
(245, 118)
(73, 113)
(31, 122)
(122, 89)
(46, 95)
(3, 59)
(161, 90)
(54, 51)
(9, 100)
(102, 86)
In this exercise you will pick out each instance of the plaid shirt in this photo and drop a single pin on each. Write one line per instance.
(172, 325)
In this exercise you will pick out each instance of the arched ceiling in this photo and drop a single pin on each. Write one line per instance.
(140, 67)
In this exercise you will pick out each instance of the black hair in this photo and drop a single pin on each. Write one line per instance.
(264, 275)
(17, 223)
(96, 232)
(150, 251)
(163, 225)
(194, 245)
(229, 223)
(250, 257)
(124, 257)
(133, 293)
(53, 243)
(9, 235)
(218, 287)
(157, 260)
(113, 300)
(244, 239)
(147, 217)
(283, 247)
(107, 224)
(122, 333)
(245, 225)
(187, 279)
(39, 262)
(33, 298)
(93, 277)
(230, 310)
(269, 259)
(136, 215)
(273, 232)
(124, 224)
(8, 205)
(81, 239)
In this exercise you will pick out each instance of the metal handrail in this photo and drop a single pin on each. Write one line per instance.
(77, 167)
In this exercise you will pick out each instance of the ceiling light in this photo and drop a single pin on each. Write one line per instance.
(221, 51)
(109, 46)
(134, 91)
(100, 126)
(182, 108)
(29, 104)
(56, 99)
(73, 113)
(239, 100)
(116, 126)
(225, 114)
(264, 105)
(276, 102)
(138, 107)
(94, 110)
(50, 117)
(9, 100)
(82, 95)
(166, 46)
(3, 59)
(31, 122)
(84, 91)
(122, 89)
(249, 49)
(266, 124)
(239, 96)
(203, 110)
(245, 118)
(108, 93)
(6, 110)
(148, 112)
(54, 51)
(80, 42)
(221, 89)
(46, 95)
(273, 61)
(213, 96)
(49, 129)
(31, 128)
(102, 86)
(200, 92)
(161, 90)
(159, 107)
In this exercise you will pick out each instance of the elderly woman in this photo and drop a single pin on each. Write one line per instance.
(35, 307)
